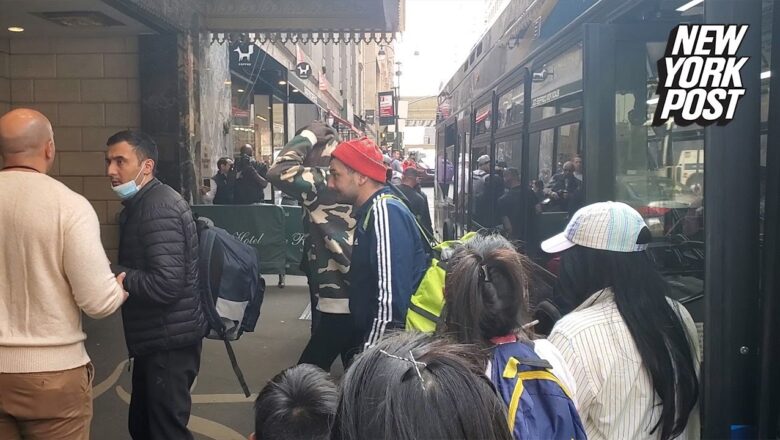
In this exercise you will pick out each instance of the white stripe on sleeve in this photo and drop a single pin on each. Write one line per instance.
(384, 273)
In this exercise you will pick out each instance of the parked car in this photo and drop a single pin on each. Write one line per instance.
(427, 175)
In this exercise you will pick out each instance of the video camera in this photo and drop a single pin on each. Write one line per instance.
(242, 161)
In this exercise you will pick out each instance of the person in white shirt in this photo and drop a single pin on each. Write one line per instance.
(52, 268)
(486, 304)
(633, 351)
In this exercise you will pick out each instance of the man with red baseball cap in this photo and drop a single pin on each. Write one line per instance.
(384, 274)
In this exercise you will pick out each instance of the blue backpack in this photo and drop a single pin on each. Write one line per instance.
(540, 406)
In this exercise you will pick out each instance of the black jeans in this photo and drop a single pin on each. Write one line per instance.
(160, 403)
(333, 336)
(313, 300)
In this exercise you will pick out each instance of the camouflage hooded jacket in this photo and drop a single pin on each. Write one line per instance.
(328, 224)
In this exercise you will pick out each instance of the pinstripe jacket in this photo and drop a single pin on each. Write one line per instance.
(385, 271)
(615, 394)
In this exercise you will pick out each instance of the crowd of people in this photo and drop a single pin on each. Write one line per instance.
(239, 182)
(502, 202)
(623, 361)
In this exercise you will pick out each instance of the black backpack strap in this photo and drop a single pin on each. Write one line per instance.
(535, 363)
(215, 322)
(530, 359)
(424, 313)
(236, 368)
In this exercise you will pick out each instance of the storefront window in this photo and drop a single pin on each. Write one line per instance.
(263, 120)
(279, 132)
(242, 124)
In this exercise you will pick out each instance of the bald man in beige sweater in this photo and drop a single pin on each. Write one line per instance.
(52, 267)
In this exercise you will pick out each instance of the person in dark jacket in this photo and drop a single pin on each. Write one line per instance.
(562, 188)
(517, 211)
(389, 255)
(250, 178)
(163, 319)
(226, 182)
(418, 202)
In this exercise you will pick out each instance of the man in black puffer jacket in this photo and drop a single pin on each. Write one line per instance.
(163, 319)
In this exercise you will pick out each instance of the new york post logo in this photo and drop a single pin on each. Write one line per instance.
(699, 76)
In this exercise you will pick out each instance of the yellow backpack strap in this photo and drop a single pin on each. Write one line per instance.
(510, 371)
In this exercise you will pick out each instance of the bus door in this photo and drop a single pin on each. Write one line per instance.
(661, 172)
(446, 180)
(484, 184)
(555, 139)
(462, 171)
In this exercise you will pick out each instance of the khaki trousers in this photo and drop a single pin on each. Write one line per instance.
(50, 405)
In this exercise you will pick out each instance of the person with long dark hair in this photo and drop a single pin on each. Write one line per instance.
(633, 351)
(415, 386)
(486, 304)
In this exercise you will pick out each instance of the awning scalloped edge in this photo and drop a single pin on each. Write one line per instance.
(315, 37)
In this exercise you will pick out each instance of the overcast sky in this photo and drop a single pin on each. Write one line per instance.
(443, 32)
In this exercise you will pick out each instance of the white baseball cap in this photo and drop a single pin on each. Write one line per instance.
(610, 226)
(482, 160)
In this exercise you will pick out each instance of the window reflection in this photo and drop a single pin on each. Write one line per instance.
(510, 107)
(559, 171)
(660, 173)
(482, 120)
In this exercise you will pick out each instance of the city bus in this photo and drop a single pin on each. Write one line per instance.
(557, 81)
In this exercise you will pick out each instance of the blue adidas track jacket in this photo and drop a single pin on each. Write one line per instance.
(389, 258)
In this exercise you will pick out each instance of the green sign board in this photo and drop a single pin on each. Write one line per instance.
(293, 238)
(275, 231)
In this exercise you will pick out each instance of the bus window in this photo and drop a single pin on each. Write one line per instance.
(508, 153)
(660, 173)
(445, 171)
(559, 167)
(546, 146)
(487, 186)
(482, 120)
(510, 107)
(557, 85)
(568, 143)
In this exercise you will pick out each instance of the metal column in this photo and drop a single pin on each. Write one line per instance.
(599, 117)
(769, 400)
(731, 328)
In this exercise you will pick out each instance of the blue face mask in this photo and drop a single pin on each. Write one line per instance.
(128, 189)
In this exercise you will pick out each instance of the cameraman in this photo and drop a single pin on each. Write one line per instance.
(250, 178)
(226, 182)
